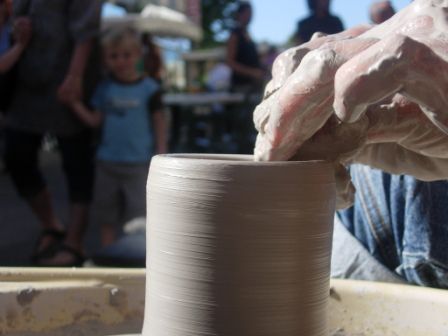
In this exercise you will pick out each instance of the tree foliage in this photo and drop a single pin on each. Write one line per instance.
(217, 19)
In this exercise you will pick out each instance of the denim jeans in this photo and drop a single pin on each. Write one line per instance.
(402, 222)
(351, 260)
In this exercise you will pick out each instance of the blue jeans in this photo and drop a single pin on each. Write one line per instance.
(402, 222)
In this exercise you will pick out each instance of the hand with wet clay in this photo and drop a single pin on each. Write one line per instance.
(377, 96)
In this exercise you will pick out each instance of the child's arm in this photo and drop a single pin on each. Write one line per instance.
(90, 118)
(158, 120)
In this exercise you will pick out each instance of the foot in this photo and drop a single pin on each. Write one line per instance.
(64, 256)
(47, 243)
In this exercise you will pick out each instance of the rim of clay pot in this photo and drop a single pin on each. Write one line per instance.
(240, 159)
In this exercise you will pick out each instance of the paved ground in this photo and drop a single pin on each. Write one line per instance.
(18, 227)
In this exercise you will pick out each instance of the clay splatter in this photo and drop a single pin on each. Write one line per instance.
(26, 296)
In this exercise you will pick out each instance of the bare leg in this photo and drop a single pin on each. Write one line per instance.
(78, 225)
(76, 152)
(108, 234)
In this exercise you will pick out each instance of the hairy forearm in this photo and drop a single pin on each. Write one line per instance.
(71, 88)
(79, 59)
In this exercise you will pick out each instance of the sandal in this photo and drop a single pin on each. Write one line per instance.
(56, 235)
(77, 258)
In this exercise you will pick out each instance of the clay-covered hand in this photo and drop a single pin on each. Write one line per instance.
(354, 77)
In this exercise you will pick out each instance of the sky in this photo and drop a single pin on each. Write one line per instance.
(275, 20)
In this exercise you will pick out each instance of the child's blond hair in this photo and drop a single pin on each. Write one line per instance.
(118, 36)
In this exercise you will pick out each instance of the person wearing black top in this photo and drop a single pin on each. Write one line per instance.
(242, 54)
(320, 20)
(247, 77)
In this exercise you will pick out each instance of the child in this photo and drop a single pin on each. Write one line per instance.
(129, 108)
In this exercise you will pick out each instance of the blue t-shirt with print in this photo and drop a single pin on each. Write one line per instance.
(127, 135)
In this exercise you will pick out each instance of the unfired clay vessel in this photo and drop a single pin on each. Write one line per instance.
(238, 248)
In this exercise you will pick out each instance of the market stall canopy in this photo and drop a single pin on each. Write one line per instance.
(198, 55)
(157, 20)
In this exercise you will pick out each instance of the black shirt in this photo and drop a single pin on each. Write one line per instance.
(247, 55)
(329, 24)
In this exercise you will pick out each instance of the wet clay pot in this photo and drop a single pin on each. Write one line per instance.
(237, 247)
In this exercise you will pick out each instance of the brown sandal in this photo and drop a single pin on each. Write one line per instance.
(77, 258)
(57, 236)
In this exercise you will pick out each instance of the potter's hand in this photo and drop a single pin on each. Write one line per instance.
(343, 75)
(401, 139)
(396, 137)
(298, 100)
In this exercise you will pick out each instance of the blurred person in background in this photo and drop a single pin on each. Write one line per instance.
(268, 54)
(248, 76)
(129, 108)
(12, 44)
(14, 37)
(381, 11)
(49, 75)
(15, 46)
(242, 54)
(320, 20)
(218, 77)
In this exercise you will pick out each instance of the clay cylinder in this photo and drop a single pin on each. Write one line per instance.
(237, 247)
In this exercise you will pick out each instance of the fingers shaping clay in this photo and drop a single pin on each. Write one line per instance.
(237, 247)
(347, 74)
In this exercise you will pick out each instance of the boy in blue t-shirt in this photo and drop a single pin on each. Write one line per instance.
(129, 109)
